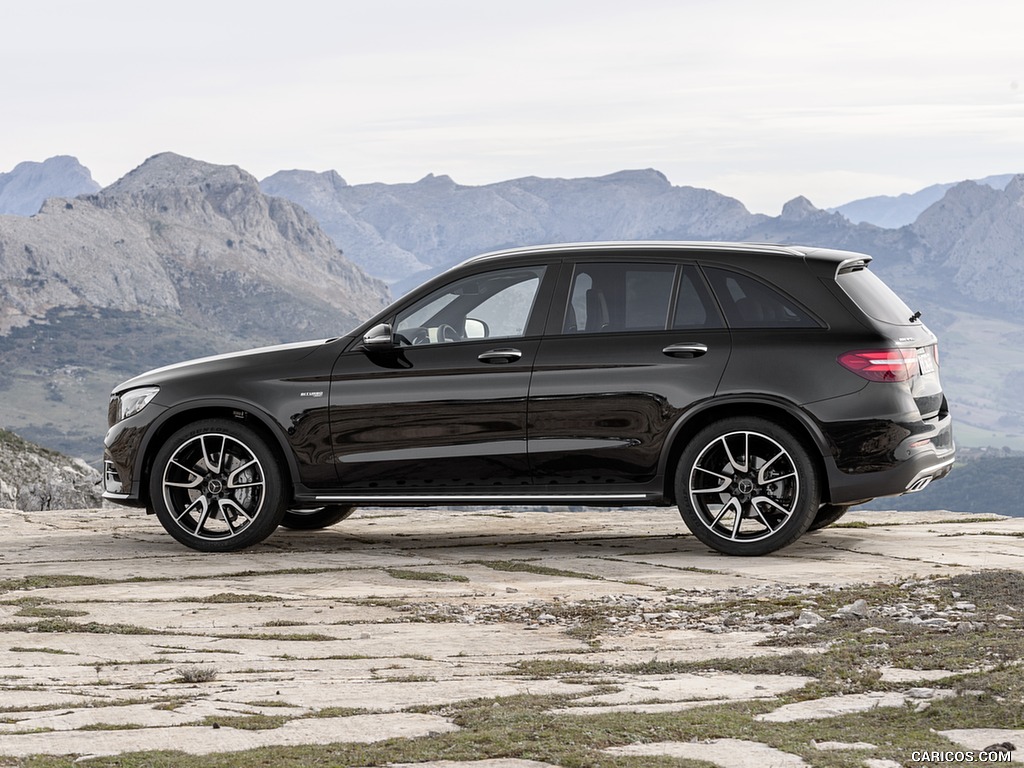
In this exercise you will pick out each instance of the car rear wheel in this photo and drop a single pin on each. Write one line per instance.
(828, 514)
(746, 486)
(216, 486)
(315, 518)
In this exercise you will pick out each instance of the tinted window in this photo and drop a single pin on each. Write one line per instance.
(749, 303)
(694, 306)
(619, 298)
(492, 305)
(875, 298)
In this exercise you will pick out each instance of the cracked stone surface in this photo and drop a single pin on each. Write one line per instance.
(839, 746)
(499, 763)
(664, 694)
(104, 618)
(727, 753)
(197, 740)
(837, 706)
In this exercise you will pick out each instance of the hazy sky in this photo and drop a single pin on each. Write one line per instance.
(759, 100)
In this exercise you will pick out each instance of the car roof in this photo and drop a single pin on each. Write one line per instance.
(670, 246)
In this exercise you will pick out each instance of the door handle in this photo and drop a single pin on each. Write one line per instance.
(686, 349)
(502, 355)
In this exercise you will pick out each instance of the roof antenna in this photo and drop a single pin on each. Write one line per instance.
(915, 316)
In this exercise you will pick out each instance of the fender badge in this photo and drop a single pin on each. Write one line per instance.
(318, 393)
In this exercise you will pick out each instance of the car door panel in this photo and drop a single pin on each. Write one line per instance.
(432, 417)
(602, 406)
(637, 345)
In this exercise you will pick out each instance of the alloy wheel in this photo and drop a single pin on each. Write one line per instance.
(213, 486)
(744, 486)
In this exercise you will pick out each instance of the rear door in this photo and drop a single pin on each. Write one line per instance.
(631, 345)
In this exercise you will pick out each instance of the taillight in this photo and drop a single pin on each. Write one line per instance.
(882, 364)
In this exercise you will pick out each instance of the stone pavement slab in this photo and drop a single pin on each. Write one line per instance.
(837, 706)
(727, 753)
(642, 689)
(205, 740)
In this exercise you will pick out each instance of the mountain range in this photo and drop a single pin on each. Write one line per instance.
(182, 258)
(893, 211)
(177, 259)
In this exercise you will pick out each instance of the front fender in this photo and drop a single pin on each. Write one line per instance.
(187, 412)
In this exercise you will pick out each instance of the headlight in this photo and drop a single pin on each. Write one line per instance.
(134, 400)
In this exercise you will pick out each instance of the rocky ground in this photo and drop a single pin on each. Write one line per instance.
(501, 640)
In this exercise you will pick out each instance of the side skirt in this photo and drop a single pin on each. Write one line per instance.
(432, 499)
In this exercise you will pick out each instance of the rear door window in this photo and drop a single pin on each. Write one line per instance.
(619, 298)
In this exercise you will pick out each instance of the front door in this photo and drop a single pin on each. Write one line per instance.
(444, 411)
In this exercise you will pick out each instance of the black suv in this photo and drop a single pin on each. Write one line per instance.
(763, 389)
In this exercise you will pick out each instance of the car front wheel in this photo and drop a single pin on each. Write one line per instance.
(746, 486)
(216, 486)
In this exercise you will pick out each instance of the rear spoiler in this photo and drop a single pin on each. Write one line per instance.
(852, 265)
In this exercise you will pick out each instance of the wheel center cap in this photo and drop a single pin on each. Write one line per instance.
(215, 486)
(746, 485)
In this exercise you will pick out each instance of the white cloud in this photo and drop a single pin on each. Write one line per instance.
(761, 96)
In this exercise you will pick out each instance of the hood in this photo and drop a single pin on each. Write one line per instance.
(217, 363)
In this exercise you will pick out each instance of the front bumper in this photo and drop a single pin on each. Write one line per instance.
(122, 455)
(114, 488)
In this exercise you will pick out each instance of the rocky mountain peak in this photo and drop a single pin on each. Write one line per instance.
(180, 189)
(170, 170)
(24, 189)
(798, 209)
(642, 177)
(282, 183)
(1015, 189)
(174, 221)
(443, 181)
(943, 224)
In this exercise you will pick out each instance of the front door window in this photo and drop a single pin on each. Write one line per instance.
(495, 305)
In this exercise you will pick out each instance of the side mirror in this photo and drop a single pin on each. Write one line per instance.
(379, 337)
(476, 329)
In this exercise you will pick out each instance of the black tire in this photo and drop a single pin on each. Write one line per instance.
(316, 517)
(828, 514)
(746, 486)
(216, 486)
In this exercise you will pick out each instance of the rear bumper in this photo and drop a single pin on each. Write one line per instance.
(925, 453)
(935, 472)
